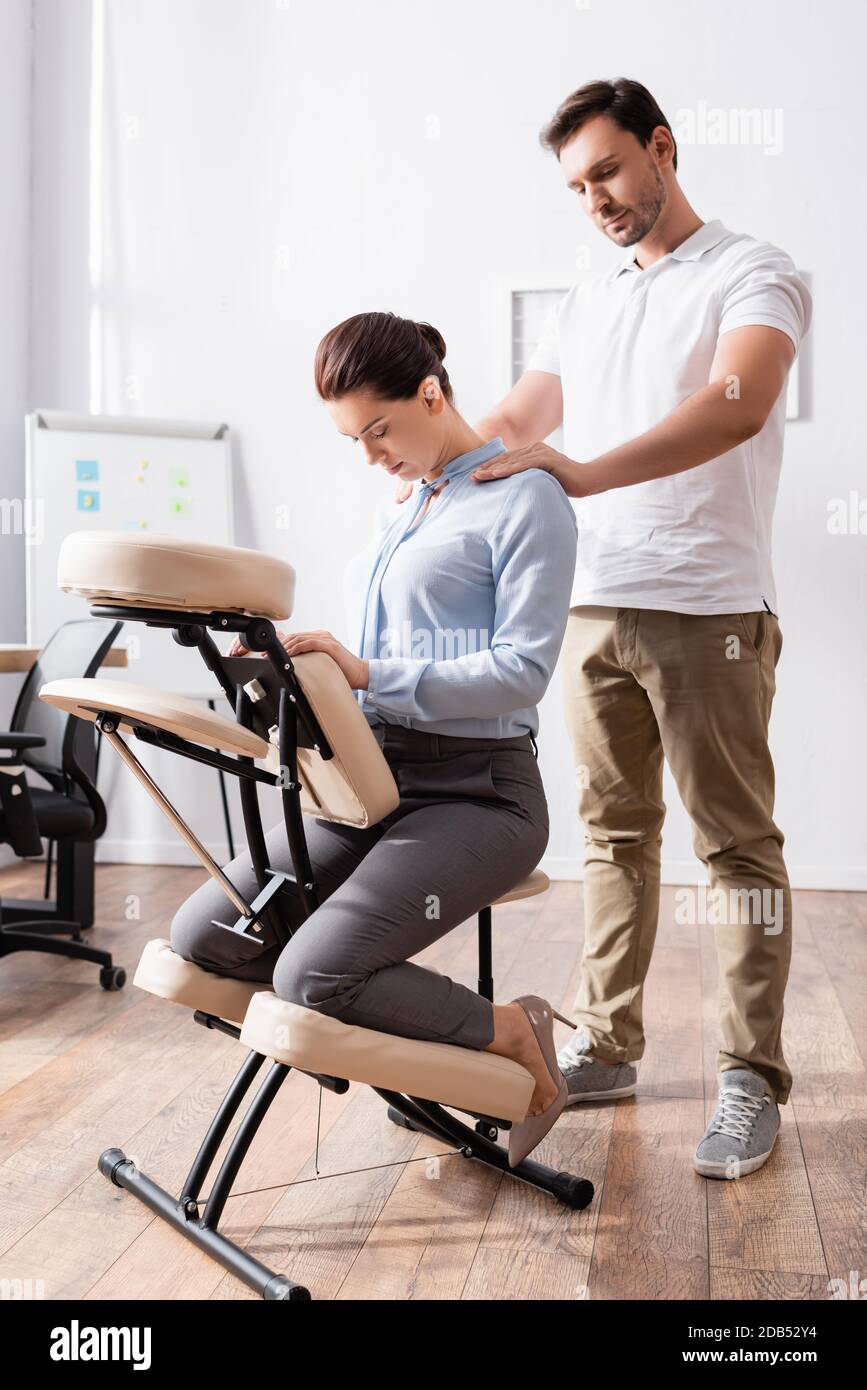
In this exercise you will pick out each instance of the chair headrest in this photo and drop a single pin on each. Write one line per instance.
(148, 570)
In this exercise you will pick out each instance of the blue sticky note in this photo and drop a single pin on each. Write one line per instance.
(88, 501)
(86, 470)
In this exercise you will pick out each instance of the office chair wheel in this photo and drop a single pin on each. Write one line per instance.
(576, 1193)
(112, 977)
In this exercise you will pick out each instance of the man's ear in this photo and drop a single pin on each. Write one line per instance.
(663, 145)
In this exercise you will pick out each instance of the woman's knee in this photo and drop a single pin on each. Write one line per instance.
(195, 935)
(190, 934)
(314, 983)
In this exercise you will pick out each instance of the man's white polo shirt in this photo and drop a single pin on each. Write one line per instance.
(629, 347)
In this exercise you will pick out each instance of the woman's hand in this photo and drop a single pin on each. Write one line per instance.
(353, 667)
(574, 478)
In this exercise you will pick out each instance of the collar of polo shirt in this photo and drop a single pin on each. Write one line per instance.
(708, 235)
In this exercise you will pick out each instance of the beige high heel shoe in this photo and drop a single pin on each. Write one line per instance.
(524, 1137)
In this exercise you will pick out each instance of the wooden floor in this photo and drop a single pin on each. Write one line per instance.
(82, 1070)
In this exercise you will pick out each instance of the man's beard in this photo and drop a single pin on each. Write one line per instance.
(645, 212)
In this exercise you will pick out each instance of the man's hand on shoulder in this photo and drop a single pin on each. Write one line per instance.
(575, 479)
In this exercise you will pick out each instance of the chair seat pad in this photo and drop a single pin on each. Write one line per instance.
(536, 882)
(58, 817)
(480, 1082)
(163, 972)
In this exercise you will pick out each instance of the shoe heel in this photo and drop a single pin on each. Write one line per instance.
(564, 1020)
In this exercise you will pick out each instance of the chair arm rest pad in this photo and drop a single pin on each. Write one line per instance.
(10, 740)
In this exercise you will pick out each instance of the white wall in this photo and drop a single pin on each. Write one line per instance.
(15, 94)
(270, 168)
(15, 97)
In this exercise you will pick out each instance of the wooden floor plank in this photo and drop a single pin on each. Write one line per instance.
(757, 1285)
(834, 1146)
(652, 1239)
(838, 927)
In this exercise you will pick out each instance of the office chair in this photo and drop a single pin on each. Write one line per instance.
(70, 810)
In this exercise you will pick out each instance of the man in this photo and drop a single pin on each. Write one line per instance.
(668, 376)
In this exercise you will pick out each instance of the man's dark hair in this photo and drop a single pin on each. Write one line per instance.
(629, 105)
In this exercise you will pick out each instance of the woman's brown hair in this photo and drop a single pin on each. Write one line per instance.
(382, 354)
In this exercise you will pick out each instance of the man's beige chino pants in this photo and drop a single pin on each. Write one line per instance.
(641, 685)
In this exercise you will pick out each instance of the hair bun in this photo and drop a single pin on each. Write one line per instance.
(433, 338)
(382, 354)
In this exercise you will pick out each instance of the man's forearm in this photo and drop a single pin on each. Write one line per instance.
(702, 427)
(497, 424)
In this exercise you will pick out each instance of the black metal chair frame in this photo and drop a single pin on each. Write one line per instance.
(195, 1217)
(29, 924)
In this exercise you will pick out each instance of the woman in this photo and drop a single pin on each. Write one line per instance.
(487, 570)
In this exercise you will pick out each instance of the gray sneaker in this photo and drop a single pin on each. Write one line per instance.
(742, 1133)
(589, 1079)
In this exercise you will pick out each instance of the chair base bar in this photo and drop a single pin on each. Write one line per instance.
(433, 1120)
(120, 1170)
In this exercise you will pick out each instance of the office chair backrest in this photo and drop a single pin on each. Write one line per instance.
(75, 649)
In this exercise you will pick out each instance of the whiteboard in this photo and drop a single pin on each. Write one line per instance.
(116, 473)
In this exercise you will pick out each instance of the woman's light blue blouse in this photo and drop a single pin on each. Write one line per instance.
(462, 617)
